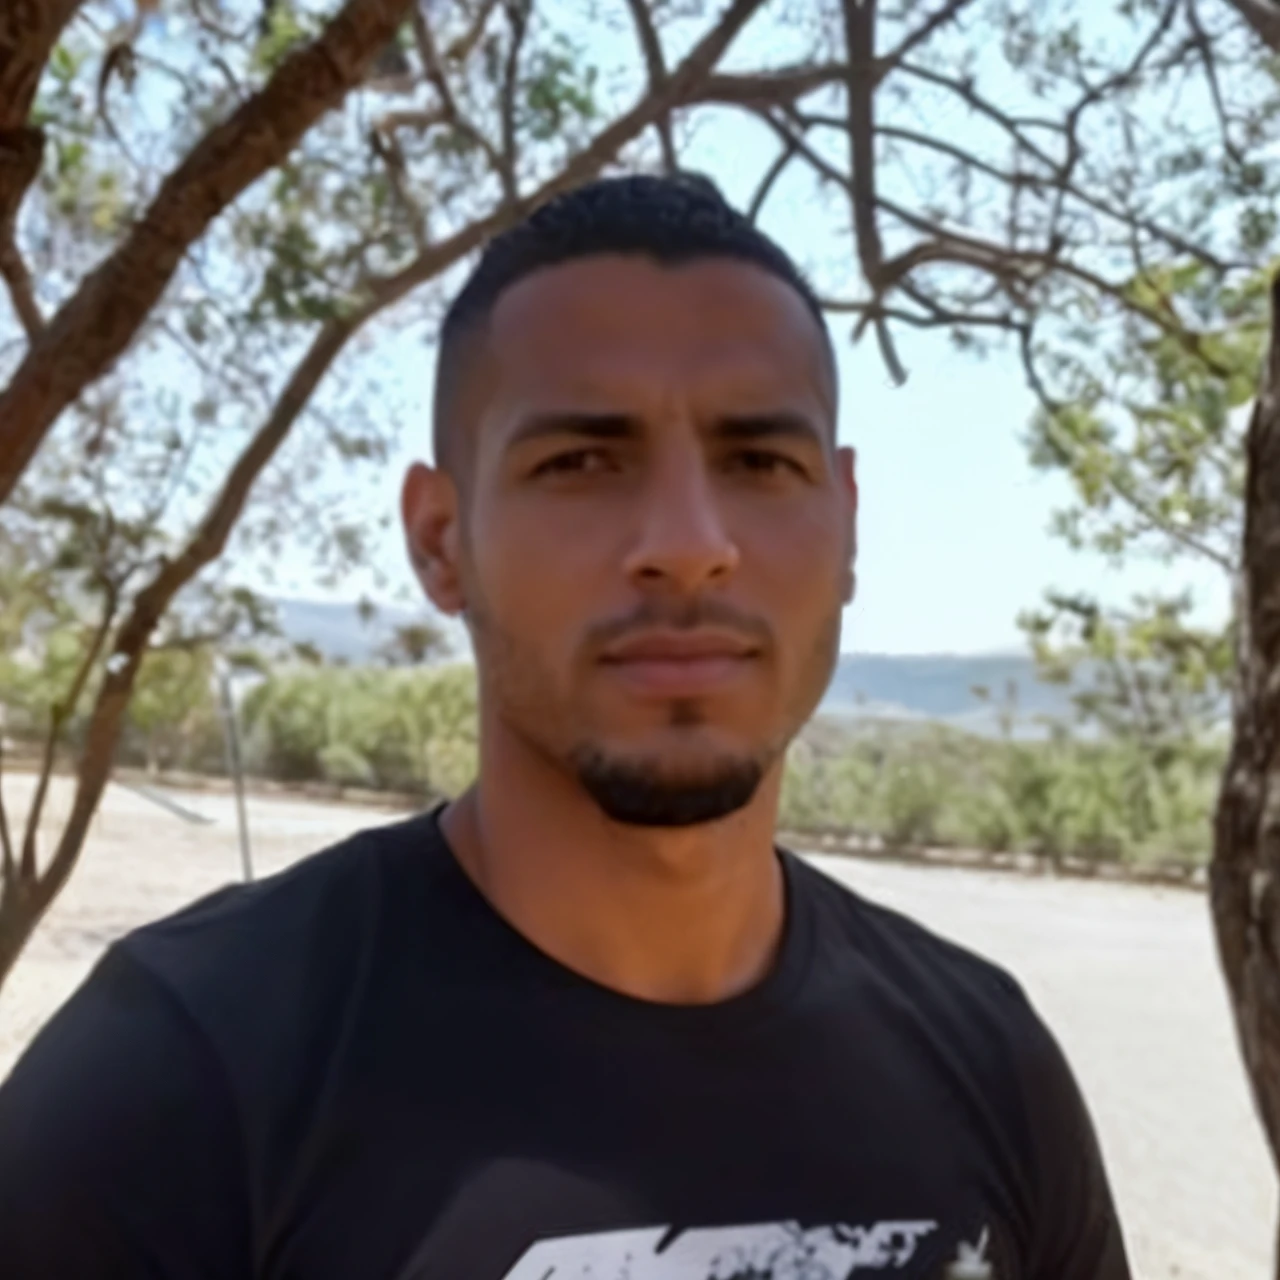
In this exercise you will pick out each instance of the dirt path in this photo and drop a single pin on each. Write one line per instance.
(1126, 976)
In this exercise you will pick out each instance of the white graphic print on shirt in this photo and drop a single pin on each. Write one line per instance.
(769, 1251)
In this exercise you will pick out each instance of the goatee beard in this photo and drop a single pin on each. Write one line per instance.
(636, 795)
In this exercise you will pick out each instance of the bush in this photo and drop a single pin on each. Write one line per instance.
(1061, 798)
(407, 729)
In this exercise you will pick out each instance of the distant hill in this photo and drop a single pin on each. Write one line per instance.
(337, 630)
(941, 688)
(865, 687)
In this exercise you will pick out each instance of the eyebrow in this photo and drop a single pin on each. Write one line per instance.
(621, 426)
(768, 426)
(588, 426)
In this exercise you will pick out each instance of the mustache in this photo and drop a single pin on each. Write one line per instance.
(690, 615)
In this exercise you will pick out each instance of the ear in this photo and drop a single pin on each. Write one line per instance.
(847, 477)
(430, 510)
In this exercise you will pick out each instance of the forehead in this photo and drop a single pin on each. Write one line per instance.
(613, 319)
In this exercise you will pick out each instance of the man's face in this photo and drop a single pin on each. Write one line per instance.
(656, 533)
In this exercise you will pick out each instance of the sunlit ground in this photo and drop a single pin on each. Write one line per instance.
(1126, 976)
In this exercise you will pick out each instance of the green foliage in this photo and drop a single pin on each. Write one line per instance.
(1149, 434)
(1099, 800)
(173, 717)
(407, 729)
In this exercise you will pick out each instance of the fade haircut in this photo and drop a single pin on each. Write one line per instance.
(671, 220)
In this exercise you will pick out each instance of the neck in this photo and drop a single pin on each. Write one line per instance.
(675, 915)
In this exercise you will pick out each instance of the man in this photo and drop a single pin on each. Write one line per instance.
(585, 1021)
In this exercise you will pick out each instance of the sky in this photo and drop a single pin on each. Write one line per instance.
(954, 528)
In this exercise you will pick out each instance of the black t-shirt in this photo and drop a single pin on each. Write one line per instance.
(356, 1070)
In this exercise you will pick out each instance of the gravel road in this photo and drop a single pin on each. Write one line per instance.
(1126, 976)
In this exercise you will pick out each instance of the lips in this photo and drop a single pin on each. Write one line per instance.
(679, 664)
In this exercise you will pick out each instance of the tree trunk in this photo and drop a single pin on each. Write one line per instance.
(1245, 875)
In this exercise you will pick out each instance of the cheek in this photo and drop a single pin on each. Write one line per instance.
(538, 578)
(799, 560)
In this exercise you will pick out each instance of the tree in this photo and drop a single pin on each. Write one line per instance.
(1152, 433)
(415, 643)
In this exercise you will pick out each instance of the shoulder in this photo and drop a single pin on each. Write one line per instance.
(238, 957)
(974, 1022)
(280, 959)
(921, 963)
(972, 1011)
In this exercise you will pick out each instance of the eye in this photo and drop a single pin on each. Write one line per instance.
(575, 462)
(765, 462)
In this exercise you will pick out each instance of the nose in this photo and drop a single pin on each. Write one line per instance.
(683, 545)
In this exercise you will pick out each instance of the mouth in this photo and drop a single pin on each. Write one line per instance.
(669, 664)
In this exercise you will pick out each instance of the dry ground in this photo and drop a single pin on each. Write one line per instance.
(1126, 976)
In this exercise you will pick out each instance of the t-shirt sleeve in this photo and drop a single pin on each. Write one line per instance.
(120, 1153)
(1076, 1234)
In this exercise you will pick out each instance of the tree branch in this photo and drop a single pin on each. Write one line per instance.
(449, 109)
(57, 719)
(28, 33)
(770, 88)
(860, 35)
(935, 22)
(21, 291)
(94, 327)
(656, 67)
(1263, 18)
(518, 12)
(1053, 180)
(769, 180)
(1204, 48)
(945, 245)
(461, 49)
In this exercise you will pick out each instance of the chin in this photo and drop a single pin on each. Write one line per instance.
(650, 791)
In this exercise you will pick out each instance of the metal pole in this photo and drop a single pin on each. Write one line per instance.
(235, 766)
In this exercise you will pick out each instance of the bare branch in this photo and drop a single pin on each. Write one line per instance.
(1204, 48)
(860, 28)
(946, 245)
(28, 33)
(786, 85)
(449, 109)
(775, 171)
(1095, 93)
(1263, 18)
(935, 22)
(1055, 180)
(933, 316)
(461, 49)
(387, 149)
(518, 19)
(21, 291)
(656, 67)
(60, 714)
(1015, 125)
(94, 327)
(770, 88)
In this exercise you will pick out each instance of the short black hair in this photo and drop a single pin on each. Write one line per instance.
(670, 219)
